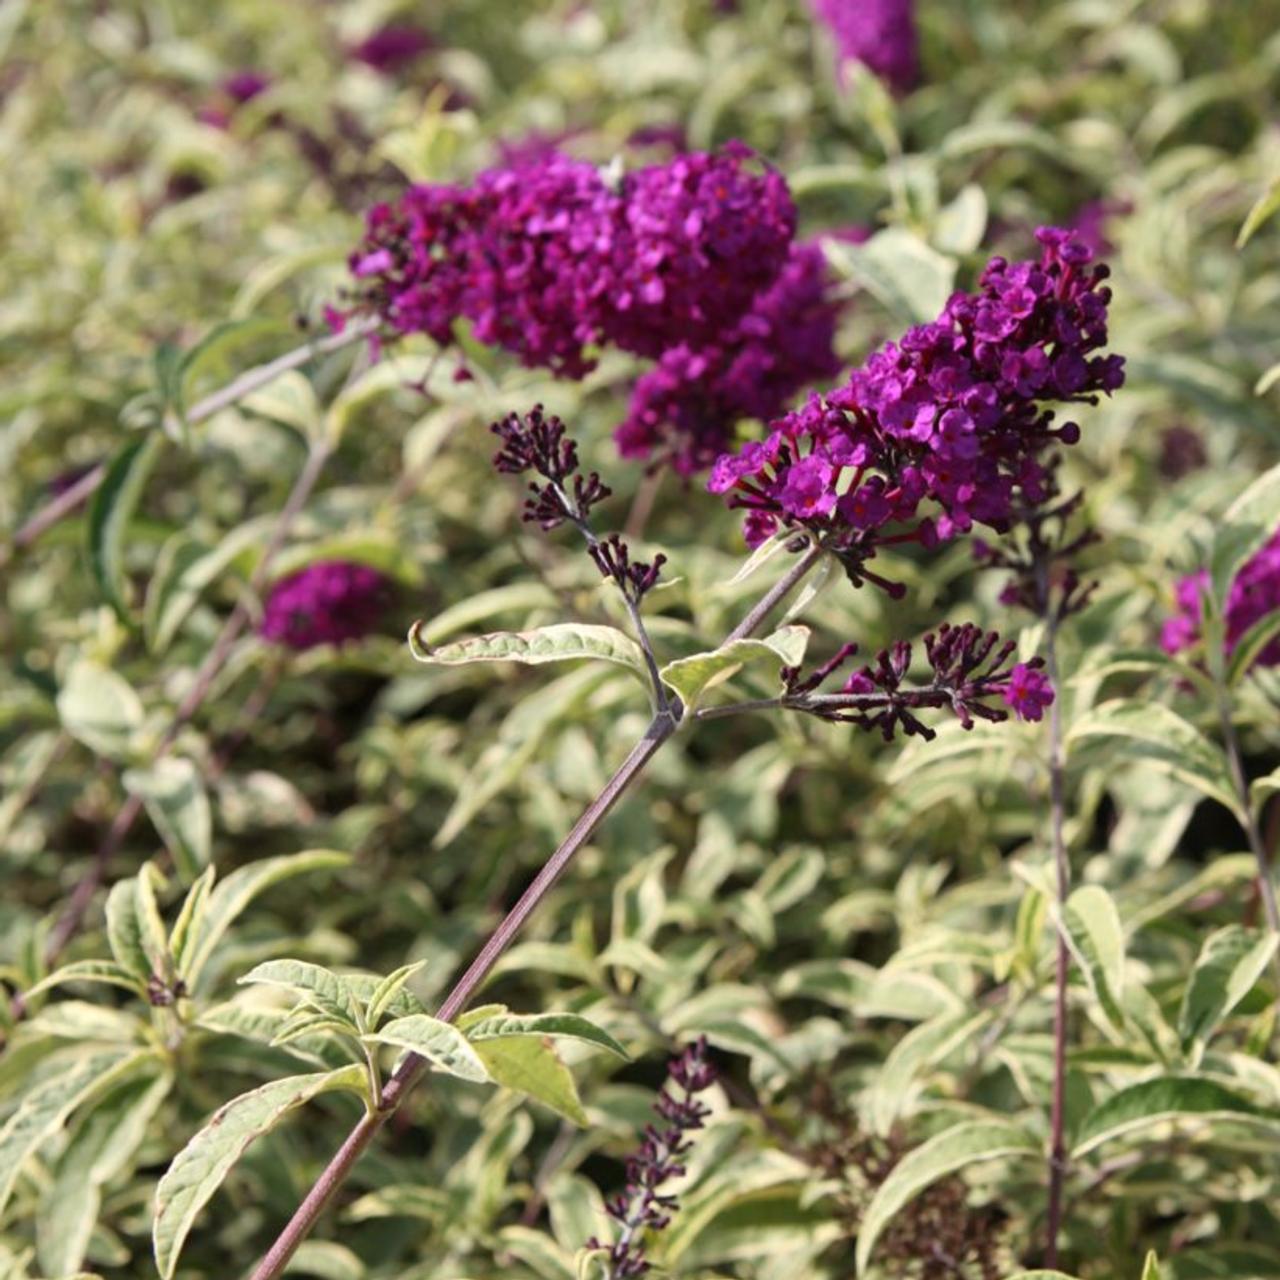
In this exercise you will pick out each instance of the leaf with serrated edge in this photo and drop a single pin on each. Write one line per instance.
(952, 1149)
(233, 895)
(440, 1043)
(200, 1168)
(387, 990)
(560, 642)
(313, 984)
(567, 1026)
(530, 1065)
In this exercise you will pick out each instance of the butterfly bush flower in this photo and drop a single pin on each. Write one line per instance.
(549, 261)
(685, 408)
(953, 414)
(878, 33)
(392, 47)
(968, 668)
(641, 1207)
(1254, 595)
(332, 602)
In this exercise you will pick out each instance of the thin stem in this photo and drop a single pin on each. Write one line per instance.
(1258, 846)
(664, 724)
(1057, 810)
(216, 659)
(642, 504)
(778, 592)
(248, 382)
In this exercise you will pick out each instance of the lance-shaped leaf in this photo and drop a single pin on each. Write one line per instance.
(326, 992)
(564, 1026)
(560, 642)
(46, 1107)
(1152, 1102)
(1096, 939)
(1156, 733)
(964, 1144)
(100, 1148)
(234, 894)
(178, 806)
(691, 677)
(111, 511)
(389, 996)
(440, 1043)
(200, 1168)
(104, 971)
(1230, 962)
(291, 400)
(531, 1065)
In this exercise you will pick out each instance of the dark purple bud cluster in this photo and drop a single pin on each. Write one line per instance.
(640, 1206)
(1038, 553)
(535, 442)
(969, 667)
(549, 259)
(683, 410)
(952, 415)
(634, 577)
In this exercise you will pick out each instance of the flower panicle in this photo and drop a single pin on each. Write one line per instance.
(969, 666)
(642, 1206)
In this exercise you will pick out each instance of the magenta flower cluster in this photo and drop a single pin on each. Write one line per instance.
(878, 33)
(1254, 595)
(953, 414)
(684, 409)
(549, 260)
(332, 602)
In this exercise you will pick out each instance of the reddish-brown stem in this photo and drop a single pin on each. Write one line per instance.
(411, 1069)
(73, 916)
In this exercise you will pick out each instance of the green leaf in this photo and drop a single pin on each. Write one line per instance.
(1152, 1102)
(1096, 939)
(1250, 646)
(909, 278)
(327, 1259)
(1154, 732)
(691, 677)
(1229, 964)
(960, 226)
(153, 936)
(1262, 789)
(111, 512)
(440, 1043)
(237, 891)
(178, 805)
(317, 986)
(1249, 521)
(101, 1147)
(386, 992)
(1151, 1266)
(45, 1107)
(184, 570)
(124, 930)
(99, 708)
(400, 373)
(560, 642)
(530, 1065)
(290, 400)
(200, 1168)
(207, 354)
(515, 597)
(104, 971)
(1265, 207)
(963, 1144)
(566, 1026)
(191, 916)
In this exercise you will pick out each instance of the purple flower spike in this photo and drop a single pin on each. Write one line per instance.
(333, 602)
(878, 33)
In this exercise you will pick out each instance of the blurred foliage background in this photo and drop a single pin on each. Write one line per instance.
(858, 929)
